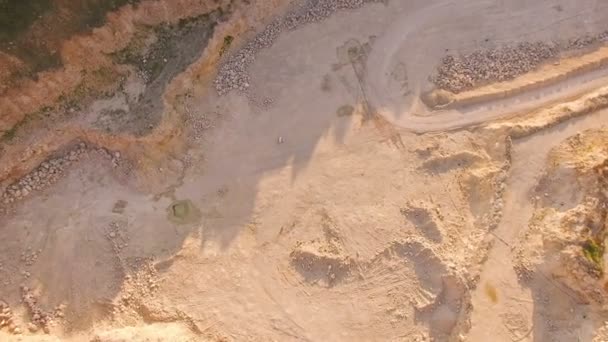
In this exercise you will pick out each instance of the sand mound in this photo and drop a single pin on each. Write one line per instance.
(319, 266)
(446, 163)
(437, 98)
(430, 269)
(441, 300)
(480, 185)
(567, 235)
(425, 219)
(323, 261)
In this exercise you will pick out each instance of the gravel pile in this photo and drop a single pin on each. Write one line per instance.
(6, 319)
(137, 287)
(585, 41)
(119, 240)
(455, 73)
(46, 174)
(199, 123)
(232, 75)
(49, 172)
(463, 72)
(40, 318)
(459, 73)
(29, 257)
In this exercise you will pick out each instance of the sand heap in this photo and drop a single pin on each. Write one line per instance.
(567, 234)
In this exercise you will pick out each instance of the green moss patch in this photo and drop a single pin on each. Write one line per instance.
(226, 44)
(594, 252)
(183, 212)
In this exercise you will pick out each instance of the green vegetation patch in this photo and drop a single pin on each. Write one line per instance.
(594, 252)
(183, 212)
(226, 44)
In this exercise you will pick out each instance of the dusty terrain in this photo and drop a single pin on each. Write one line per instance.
(333, 170)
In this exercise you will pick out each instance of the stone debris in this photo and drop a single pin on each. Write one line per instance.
(585, 41)
(44, 175)
(137, 287)
(457, 73)
(50, 171)
(113, 157)
(460, 73)
(140, 275)
(233, 75)
(39, 318)
(199, 123)
(6, 319)
(267, 102)
(29, 256)
(32, 327)
(116, 234)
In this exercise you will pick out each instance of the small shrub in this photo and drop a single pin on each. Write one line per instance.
(594, 252)
(226, 45)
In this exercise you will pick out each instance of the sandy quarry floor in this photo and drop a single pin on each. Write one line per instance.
(324, 201)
